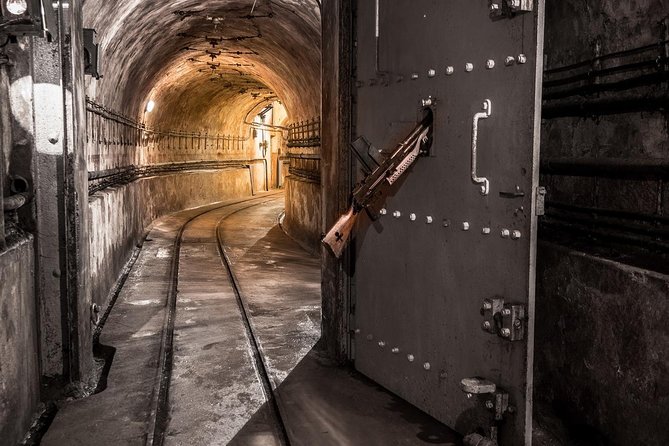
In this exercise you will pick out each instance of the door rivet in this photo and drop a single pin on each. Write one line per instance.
(469, 67)
(447, 223)
(516, 234)
(383, 211)
(487, 305)
(490, 64)
(506, 312)
(431, 72)
(494, 7)
(428, 219)
(522, 58)
(489, 404)
(412, 217)
(506, 332)
(505, 233)
(397, 214)
(410, 358)
(485, 231)
(450, 70)
(395, 350)
(510, 60)
(382, 344)
(427, 366)
(486, 325)
(465, 226)
(414, 76)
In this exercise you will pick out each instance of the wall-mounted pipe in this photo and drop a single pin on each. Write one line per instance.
(622, 103)
(15, 202)
(617, 168)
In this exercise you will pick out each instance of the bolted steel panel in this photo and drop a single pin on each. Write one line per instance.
(455, 231)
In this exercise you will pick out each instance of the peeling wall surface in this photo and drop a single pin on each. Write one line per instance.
(19, 367)
(303, 213)
(121, 215)
(601, 341)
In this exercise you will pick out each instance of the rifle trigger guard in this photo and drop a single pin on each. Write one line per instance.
(485, 114)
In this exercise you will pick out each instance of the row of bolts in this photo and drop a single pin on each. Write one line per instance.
(426, 365)
(469, 67)
(395, 350)
(505, 233)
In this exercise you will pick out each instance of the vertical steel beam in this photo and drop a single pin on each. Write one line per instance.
(335, 174)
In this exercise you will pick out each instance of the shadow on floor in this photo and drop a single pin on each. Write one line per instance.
(325, 404)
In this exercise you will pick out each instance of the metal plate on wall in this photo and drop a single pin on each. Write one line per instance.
(421, 279)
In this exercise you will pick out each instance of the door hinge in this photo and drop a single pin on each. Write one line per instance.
(501, 8)
(504, 319)
(493, 399)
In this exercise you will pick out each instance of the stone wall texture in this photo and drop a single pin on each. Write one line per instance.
(19, 362)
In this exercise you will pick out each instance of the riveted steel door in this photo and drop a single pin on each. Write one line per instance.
(443, 297)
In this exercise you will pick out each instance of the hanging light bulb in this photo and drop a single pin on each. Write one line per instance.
(150, 106)
(17, 7)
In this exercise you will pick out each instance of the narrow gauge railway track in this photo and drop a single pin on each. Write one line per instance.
(258, 357)
(160, 401)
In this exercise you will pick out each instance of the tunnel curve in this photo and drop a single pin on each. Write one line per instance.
(206, 65)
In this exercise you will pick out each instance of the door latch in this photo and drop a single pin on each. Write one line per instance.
(504, 319)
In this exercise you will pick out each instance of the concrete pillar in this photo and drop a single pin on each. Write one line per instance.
(61, 200)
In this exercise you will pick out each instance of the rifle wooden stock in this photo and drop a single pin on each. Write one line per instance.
(337, 239)
(395, 165)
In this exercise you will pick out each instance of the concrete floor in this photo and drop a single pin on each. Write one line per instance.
(215, 396)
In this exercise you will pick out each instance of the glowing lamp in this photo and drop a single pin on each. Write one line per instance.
(28, 17)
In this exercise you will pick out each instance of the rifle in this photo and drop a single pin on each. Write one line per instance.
(370, 189)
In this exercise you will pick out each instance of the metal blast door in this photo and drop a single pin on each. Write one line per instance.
(443, 281)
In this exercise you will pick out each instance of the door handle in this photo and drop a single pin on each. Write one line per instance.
(485, 114)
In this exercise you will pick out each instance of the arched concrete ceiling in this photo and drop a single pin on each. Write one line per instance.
(206, 64)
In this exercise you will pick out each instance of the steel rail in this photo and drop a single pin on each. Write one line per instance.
(160, 398)
(259, 359)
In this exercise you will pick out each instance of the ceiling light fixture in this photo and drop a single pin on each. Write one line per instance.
(17, 7)
(28, 17)
(150, 106)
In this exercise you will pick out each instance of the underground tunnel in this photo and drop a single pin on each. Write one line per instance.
(275, 222)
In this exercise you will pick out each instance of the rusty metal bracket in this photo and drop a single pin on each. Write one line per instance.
(491, 396)
(504, 319)
(521, 5)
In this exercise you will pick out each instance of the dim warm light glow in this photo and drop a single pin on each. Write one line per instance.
(17, 7)
(150, 106)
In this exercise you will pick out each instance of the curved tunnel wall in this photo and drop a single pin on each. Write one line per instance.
(209, 67)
